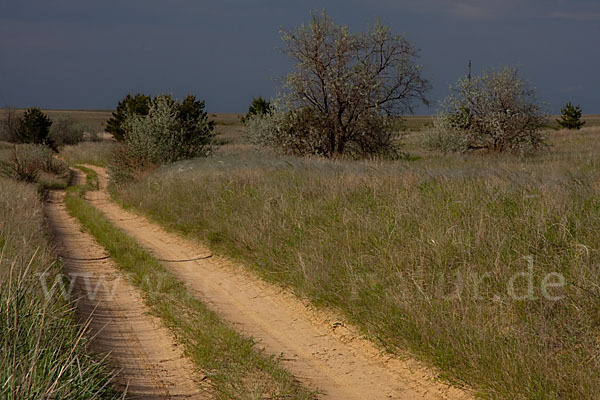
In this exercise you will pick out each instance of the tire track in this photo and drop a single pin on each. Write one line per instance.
(150, 363)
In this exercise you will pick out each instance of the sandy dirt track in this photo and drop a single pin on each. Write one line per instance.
(151, 365)
(316, 348)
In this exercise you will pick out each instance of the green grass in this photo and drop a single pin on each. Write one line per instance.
(420, 255)
(42, 350)
(236, 369)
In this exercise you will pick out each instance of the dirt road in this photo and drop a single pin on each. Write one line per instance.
(151, 365)
(316, 348)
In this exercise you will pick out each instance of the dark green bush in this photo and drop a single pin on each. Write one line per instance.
(258, 107)
(34, 127)
(138, 105)
(570, 117)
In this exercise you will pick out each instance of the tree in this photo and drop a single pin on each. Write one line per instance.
(570, 117)
(259, 107)
(496, 111)
(34, 127)
(351, 83)
(138, 105)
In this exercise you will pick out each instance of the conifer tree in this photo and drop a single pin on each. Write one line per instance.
(570, 117)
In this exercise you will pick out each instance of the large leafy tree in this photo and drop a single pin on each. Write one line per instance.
(350, 83)
(570, 117)
(34, 127)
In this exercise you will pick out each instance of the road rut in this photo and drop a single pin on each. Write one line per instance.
(151, 365)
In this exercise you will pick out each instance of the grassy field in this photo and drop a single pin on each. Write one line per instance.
(483, 266)
(42, 351)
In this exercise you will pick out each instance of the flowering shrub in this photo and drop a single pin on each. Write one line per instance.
(496, 111)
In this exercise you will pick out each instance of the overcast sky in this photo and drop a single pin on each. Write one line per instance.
(89, 54)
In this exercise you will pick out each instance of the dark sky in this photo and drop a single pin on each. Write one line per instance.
(88, 54)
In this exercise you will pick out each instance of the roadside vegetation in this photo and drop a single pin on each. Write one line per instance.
(33, 163)
(95, 153)
(166, 132)
(235, 368)
(42, 346)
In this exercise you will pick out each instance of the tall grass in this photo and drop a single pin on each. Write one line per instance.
(458, 259)
(95, 153)
(42, 348)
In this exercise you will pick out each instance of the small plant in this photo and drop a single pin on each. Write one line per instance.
(34, 127)
(258, 107)
(570, 117)
(136, 105)
(496, 112)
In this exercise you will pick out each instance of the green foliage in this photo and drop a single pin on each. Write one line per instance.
(65, 131)
(137, 105)
(350, 82)
(258, 107)
(169, 132)
(570, 117)
(496, 111)
(34, 127)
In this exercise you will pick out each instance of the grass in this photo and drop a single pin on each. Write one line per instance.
(434, 255)
(42, 348)
(95, 153)
(93, 120)
(234, 366)
(33, 164)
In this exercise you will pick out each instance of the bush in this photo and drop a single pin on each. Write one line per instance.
(169, 132)
(65, 131)
(138, 105)
(258, 107)
(496, 111)
(350, 84)
(570, 117)
(34, 127)
(300, 132)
